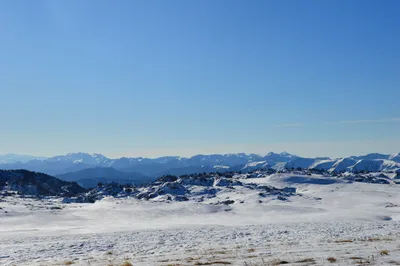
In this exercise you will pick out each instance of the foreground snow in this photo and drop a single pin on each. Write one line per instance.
(354, 223)
(237, 245)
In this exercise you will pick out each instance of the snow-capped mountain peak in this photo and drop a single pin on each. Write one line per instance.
(395, 157)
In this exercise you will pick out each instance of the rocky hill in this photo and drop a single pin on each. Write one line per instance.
(37, 184)
(215, 188)
(232, 187)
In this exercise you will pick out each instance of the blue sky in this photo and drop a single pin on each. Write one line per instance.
(152, 78)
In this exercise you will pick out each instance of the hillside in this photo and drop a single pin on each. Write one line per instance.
(37, 184)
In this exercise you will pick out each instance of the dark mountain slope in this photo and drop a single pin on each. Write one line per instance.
(38, 184)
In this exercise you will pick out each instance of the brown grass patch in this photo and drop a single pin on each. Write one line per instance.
(344, 241)
(384, 252)
(331, 259)
(213, 263)
(360, 260)
(375, 239)
(126, 263)
(251, 250)
(69, 262)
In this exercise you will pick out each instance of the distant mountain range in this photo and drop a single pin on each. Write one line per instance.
(91, 177)
(15, 158)
(88, 169)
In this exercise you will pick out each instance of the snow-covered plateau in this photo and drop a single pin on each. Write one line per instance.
(247, 219)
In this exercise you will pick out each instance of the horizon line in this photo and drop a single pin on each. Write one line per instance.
(187, 157)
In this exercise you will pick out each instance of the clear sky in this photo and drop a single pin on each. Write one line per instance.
(152, 78)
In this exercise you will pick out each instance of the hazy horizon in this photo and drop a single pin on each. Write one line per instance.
(314, 150)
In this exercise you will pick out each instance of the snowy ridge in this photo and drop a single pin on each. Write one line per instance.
(231, 187)
(82, 158)
(212, 188)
